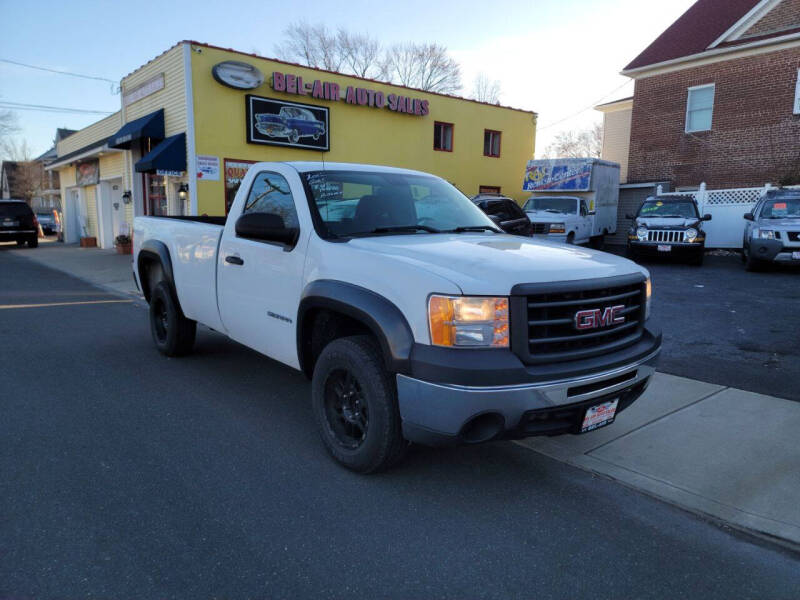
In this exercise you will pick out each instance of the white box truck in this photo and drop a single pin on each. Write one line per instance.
(574, 200)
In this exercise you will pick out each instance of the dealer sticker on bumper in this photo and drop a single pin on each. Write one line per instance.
(599, 416)
(664, 248)
(795, 255)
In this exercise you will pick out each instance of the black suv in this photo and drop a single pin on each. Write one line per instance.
(668, 226)
(506, 213)
(18, 223)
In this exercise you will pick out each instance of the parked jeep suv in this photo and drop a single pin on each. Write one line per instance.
(772, 231)
(668, 226)
(18, 223)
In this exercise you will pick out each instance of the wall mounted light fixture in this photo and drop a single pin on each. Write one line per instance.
(127, 197)
(183, 191)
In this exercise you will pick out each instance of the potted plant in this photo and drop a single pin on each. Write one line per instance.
(88, 242)
(124, 244)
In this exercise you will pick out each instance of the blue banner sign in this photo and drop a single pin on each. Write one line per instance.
(559, 174)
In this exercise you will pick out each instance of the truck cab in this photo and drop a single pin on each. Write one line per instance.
(561, 218)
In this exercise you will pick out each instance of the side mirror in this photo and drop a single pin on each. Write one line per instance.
(706, 217)
(749, 216)
(592, 213)
(266, 227)
(630, 216)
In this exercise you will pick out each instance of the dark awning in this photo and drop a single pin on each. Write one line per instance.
(149, 126)
(169, 155)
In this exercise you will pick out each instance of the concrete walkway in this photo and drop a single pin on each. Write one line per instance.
(717, 451)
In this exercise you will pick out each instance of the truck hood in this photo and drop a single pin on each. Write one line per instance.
(488, 265)
(540, 216)
(662, 223)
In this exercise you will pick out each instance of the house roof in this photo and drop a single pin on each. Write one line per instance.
(696, 30)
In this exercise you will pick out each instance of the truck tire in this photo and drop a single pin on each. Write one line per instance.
(571, 238)
(354, 399)
(173, 333)
(752, 264)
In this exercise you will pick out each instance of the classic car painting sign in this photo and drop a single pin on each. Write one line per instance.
(572, 174)
(281, 123)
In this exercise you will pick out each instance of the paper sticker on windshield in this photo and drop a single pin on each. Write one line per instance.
(779, 206)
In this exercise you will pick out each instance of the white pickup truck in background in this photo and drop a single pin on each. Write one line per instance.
(414, 316)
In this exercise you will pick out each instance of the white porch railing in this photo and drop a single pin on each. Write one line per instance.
(727, 209)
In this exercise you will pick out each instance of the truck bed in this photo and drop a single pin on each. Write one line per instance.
(193, 244)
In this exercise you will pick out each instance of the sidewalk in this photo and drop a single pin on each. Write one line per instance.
(103, 268)
(717, 451)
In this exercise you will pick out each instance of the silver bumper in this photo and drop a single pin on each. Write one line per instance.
(436, 413)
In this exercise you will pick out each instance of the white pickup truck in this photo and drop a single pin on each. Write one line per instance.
(416, 319)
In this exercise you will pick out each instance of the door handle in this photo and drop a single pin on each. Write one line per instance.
(234, 260)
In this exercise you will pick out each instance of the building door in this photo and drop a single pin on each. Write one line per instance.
(71, 224)
(155, 189)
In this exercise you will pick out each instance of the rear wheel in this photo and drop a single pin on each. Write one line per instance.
(697, 260)
(354, 399)
(294, 136)
(173, 333)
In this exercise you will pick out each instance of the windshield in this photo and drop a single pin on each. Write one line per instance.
(781, 208)
(371, 203)
(565, 206)
(683, 209)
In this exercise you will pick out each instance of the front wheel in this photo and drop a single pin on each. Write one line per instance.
(354, 400)
(33, 242)
(172, 332)
(752, 264)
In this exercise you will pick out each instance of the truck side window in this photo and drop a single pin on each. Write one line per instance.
(584, 212)
(499, 209)
(271, 194)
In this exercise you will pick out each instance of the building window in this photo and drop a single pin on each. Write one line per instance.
(443, 136)
(489, 189)
(491, 142)
(700, 108)
(156, 195)
(797, 94)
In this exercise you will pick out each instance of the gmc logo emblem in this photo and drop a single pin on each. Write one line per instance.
(596, 318)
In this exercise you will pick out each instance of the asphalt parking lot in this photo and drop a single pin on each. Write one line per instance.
(724, 325)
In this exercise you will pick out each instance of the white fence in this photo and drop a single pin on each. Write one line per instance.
(727, 209)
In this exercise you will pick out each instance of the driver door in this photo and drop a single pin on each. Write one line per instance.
(259, 282)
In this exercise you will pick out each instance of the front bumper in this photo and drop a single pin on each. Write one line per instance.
(677, 249)
(772, 250)
(439, 414)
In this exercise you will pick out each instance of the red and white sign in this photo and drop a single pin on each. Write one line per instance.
(600, 415)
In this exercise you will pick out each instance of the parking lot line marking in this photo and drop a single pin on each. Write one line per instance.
(49, 304)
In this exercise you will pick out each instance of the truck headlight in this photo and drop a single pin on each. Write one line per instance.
(463, 321)
(691, 234)
(764, 234)
(641, 234)
(648, 291)
(557, 228)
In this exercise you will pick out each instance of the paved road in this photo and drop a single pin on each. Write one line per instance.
(724, 325)
(129, 475)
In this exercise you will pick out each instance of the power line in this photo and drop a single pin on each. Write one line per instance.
(583, 110)
(49, 70)
(45, 108)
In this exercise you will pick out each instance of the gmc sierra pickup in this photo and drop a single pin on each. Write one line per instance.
(414, 316)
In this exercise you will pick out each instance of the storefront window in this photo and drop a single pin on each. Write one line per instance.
(156, 190)
(235, 170)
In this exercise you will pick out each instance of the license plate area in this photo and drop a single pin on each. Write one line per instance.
(796, 255)
(664, 248)
(599, 415)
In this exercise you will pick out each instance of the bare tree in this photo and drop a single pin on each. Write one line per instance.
(586, 143)
(424, 66)
(311, 45)
(8, 127)
(484, 90)
(361, 54)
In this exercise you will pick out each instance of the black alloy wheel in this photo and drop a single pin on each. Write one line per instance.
(346, 409)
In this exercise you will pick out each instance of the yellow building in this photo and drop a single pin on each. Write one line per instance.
(192, 120)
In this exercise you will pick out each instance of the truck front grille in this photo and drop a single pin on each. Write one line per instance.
(665, 236)
(575, 323)
(541, 227)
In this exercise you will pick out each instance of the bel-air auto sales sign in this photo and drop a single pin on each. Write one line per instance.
(281, 123)
(567, 174)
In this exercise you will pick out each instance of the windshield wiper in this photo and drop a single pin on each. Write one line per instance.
(554, 210)
(472, 228)
(405, 228)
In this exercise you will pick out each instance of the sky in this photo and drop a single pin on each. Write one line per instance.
(556, 57)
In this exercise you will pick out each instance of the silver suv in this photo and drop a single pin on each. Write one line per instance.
(772, 231)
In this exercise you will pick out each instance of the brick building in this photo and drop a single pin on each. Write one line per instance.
(716, 100)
